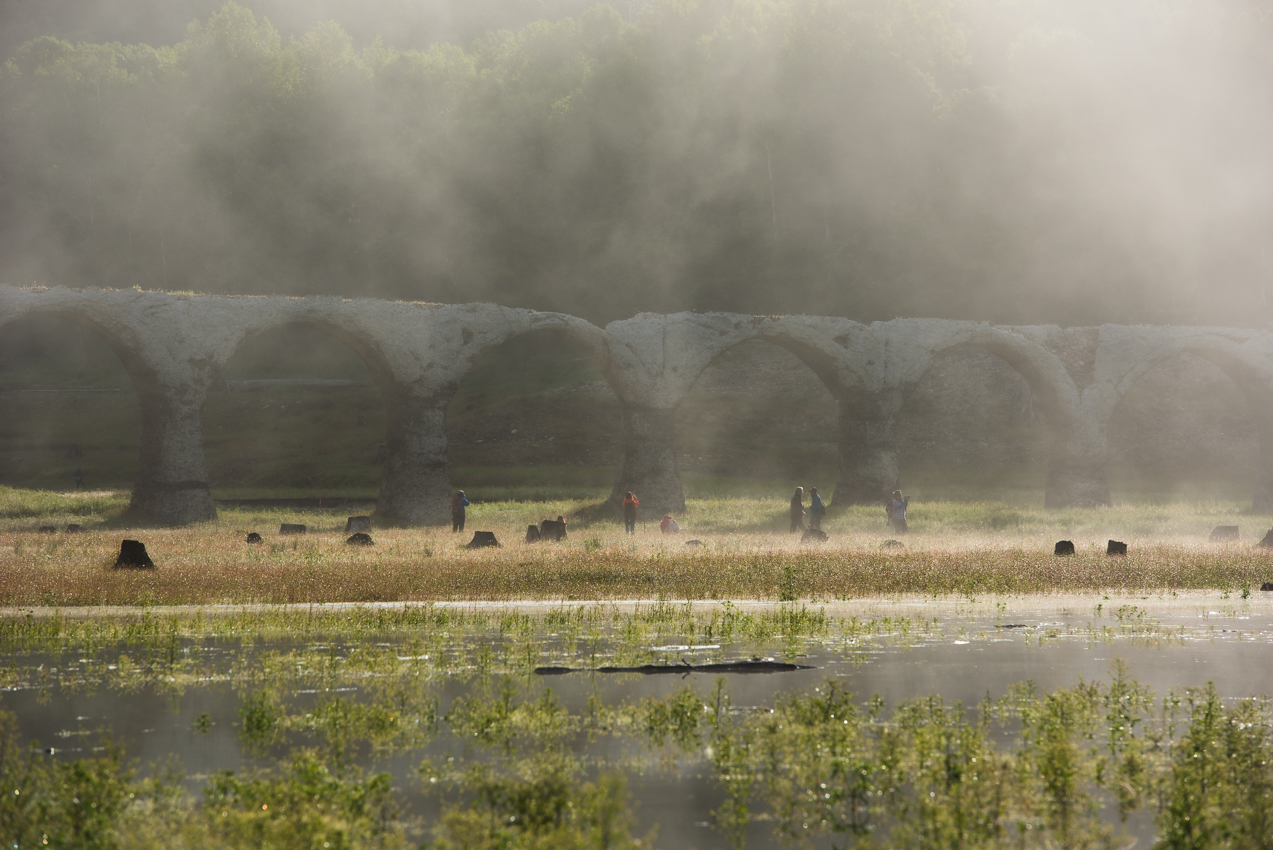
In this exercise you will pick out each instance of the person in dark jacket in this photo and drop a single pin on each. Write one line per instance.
(630, 504)
(797, 510)
(817, 510)
(458, 504)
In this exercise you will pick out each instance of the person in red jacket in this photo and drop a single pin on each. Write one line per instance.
(630, 503)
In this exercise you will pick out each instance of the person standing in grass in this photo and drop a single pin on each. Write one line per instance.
(630, 504)
(458, 504)
(797, 510)
(817, 510)
(897, 511)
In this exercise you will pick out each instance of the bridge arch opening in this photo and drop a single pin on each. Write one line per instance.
(1187, 425)
(533, 419)
(67, 402)
(299, 411)
(973, 428)
(758, 421)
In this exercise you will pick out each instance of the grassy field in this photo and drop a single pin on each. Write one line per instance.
(745, 552)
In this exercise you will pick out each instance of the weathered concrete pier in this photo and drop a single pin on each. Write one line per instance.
(175, 346)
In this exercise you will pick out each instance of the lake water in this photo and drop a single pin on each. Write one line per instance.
(65, 698)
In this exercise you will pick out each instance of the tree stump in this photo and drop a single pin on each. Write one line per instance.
(360, 538)
(482, 539)
(553, 529)
(1064, 547)
(132, 555)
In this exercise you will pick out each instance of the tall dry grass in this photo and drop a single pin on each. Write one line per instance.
(212, 564)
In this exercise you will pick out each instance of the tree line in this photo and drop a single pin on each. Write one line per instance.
(1070, 162)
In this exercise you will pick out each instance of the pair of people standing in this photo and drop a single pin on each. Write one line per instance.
(817, 510)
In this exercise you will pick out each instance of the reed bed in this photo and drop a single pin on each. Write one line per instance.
(212, 564)
(743, 552)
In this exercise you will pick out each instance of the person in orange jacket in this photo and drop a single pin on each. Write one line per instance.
(630, 504)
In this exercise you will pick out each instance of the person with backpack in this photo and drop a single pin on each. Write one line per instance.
(630, 504)
(817, 510)
(458, 504)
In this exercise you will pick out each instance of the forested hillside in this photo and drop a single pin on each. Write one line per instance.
(1033, 161)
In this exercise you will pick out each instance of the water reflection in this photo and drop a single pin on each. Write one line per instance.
(463, 703)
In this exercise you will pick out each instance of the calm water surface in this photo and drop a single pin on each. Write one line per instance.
(964, 658)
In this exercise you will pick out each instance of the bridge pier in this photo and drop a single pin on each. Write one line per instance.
(649, 467)
(868, 456)
(415, 488)
(1262, 499)
(1078, 465)
(172, 482)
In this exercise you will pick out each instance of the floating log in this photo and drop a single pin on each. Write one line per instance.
(766, 665)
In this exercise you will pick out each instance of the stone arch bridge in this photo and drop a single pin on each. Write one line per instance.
(174, 347)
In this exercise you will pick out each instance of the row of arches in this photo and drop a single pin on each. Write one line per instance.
(649, 363)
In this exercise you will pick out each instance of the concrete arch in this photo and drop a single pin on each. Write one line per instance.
(1243, 360)
(816, 353)
(1046, 375)
(417, 354)
(148, 332)
(873, 368)
(1075, 475)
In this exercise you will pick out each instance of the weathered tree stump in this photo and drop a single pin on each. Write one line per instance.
(1115, 547)
(357, 523)
(482, 539)
(48, 529)
(291, 528)
(1064, 547)
(1224, 532)
(532, 534)
(132, 555)
(553, 529)
(1267, 542)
